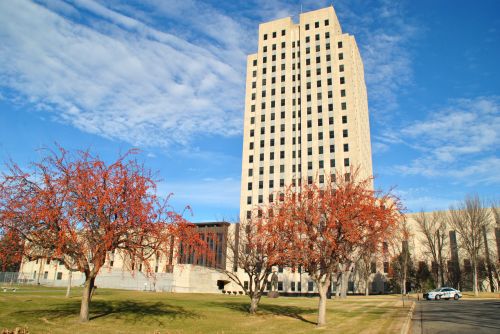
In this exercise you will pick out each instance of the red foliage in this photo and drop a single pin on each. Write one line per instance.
(79, 210)
(327, 223)
(11, 250)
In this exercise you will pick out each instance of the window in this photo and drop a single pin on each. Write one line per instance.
(59, 276)
(249, 214)
(344, 105)
(309, 151)
(249, 186)
(316, 24)
(274, 34)
(292, 286)
(339, 44)
(250, 172)
(345, 133)
(317, 37)
(327, 34)
(320, 135)
(282, 169)
(265, 37)
(260, 199)
(282, 154)
(46, 274)
(261, 184)
(254, 63)
(307, 26)
(342, 80)
(249, 200)
(332, 148)
(271, 169)
(308, 39)
(342, 92)
(320, 151)
(386, 267)
(251, 133)
(271, 156)
(250, 159)
(341, 68)
(310, 286)
(332, 163)
(330, 120)
(283, 32)
(271, 183)
(332, 134)
(344, 119)
(346, 147)
(264, 49)
(341, 56)
(327, 22)
(346, 162)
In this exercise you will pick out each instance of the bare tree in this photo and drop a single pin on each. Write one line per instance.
(433, 227)
(469, 218)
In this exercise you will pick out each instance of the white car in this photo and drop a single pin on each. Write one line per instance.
(443, 293)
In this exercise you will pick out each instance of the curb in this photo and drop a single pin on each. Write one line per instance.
(406, 327)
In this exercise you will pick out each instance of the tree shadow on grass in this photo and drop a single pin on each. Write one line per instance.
(294, 312)
(129, 310)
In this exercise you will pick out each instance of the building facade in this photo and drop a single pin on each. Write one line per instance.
(306, 109)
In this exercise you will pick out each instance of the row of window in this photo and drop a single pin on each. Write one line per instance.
(274, 34)
(283, 89)
(345, 132)
(294, 286)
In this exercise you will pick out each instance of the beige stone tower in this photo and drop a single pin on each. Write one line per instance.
(306, 109)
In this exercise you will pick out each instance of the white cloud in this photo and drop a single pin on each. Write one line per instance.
(417, 199)
(118, 77)
(459, 141)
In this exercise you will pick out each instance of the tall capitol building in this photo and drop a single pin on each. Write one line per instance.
(306, 108)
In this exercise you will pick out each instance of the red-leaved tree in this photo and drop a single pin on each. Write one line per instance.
(78, 209)
(256, 246)
(329, 222)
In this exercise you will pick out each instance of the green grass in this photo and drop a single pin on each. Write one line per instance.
(46, 310)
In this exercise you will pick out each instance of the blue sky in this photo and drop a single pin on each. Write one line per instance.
(168, 77)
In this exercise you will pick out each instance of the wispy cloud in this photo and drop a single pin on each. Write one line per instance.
(460, 141)
(384, 35)
(117, 77)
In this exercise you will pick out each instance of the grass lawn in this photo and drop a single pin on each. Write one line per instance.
(46, 310)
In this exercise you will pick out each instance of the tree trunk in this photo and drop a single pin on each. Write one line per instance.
(322, 304)
(488, 261)
(338, 285)
(68, 289)
(474, 279)
(87, 294)
(345, 284)
(367, 288)
(254, 303)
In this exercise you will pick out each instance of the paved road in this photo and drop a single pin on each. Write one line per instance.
(463, 316)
